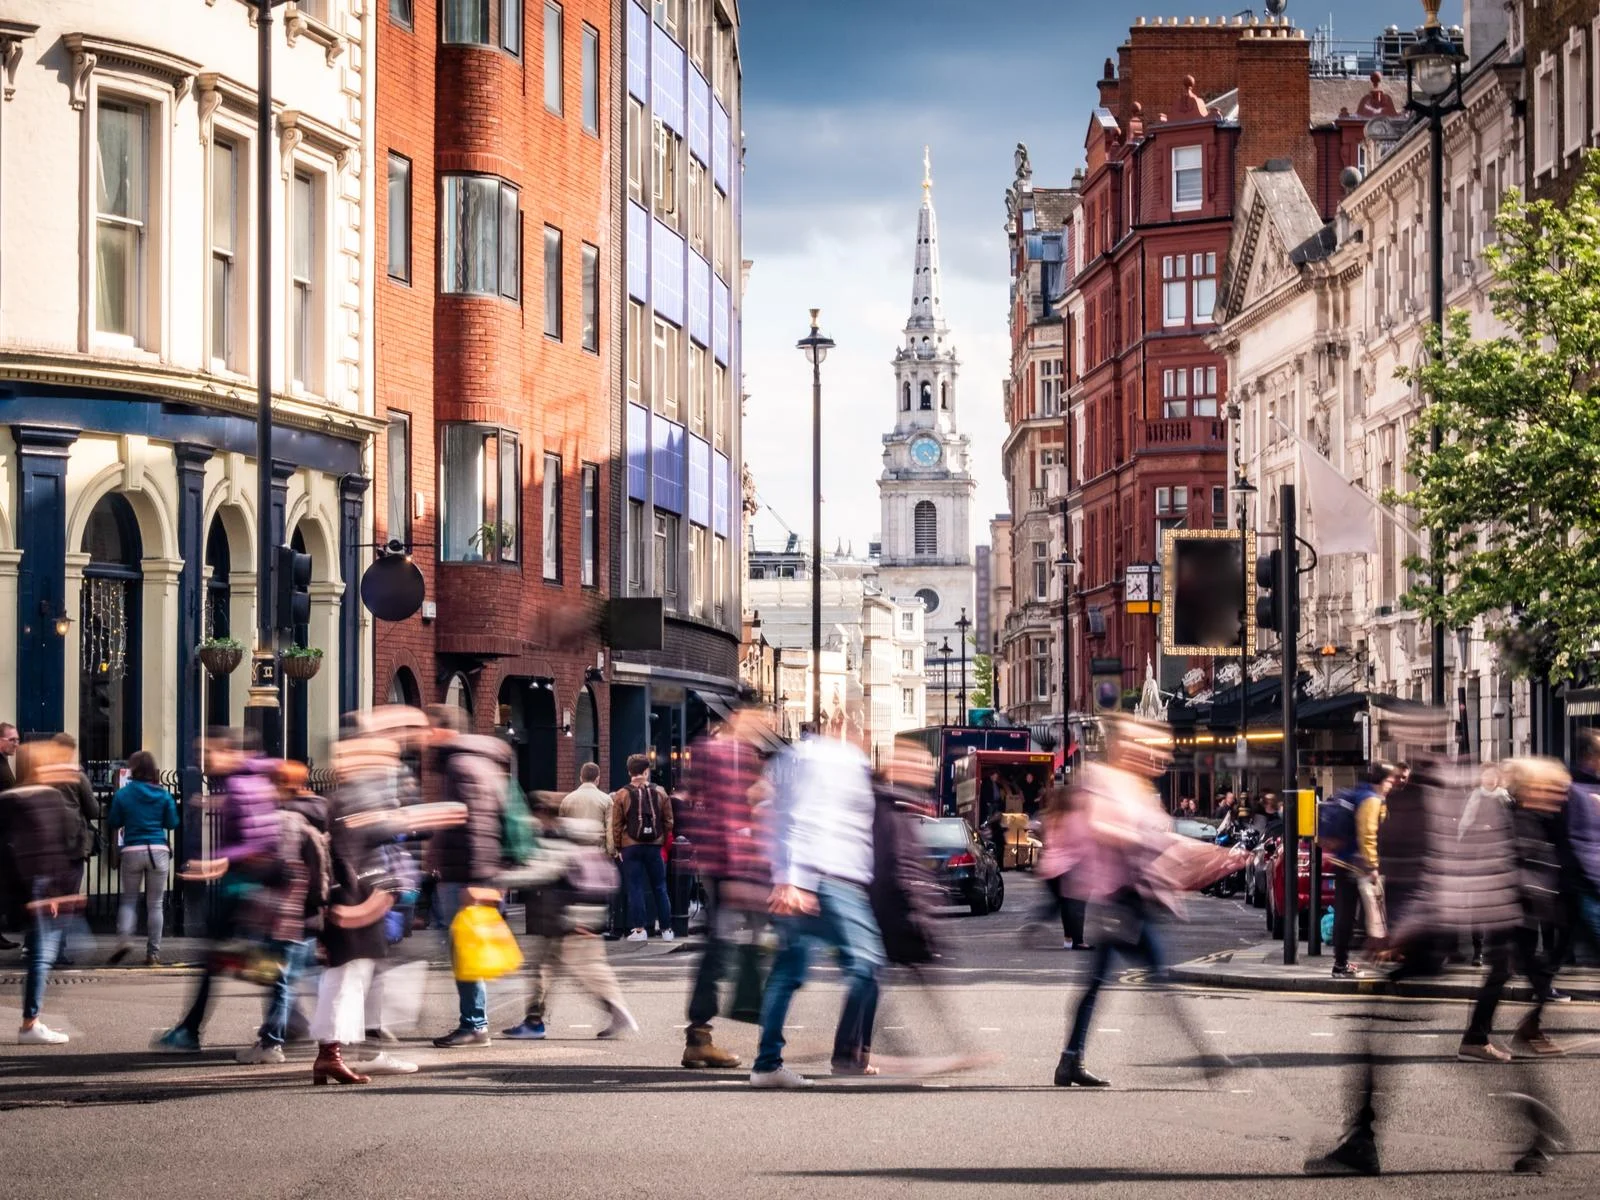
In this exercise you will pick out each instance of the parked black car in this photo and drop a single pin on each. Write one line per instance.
(962, 866)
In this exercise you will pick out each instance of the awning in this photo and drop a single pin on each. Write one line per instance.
(1330, 712)
(1260, 700)
(722, 708)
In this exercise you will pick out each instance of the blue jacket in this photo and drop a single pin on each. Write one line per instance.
(145, 812)
(1583, 826)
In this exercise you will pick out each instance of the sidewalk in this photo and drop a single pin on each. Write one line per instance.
(1261, 968)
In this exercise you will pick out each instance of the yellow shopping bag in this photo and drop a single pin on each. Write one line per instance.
(481, 945)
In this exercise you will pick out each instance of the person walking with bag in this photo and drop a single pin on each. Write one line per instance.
(1347, 830)
(641, 826)
(145, 812)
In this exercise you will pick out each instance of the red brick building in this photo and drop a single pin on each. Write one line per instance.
(495, 363)
(1183, 111)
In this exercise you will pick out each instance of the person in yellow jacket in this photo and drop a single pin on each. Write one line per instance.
(1356, 880)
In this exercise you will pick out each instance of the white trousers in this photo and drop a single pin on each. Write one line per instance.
(342, 1003)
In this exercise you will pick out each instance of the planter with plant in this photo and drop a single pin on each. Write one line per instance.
(220, 655)
(493, 538)
(300, 662)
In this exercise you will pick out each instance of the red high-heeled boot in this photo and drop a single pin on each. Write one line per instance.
(330, 1065)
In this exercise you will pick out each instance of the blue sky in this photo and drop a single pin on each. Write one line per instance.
(839, 98)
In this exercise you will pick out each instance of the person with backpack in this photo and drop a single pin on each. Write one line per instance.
(641, 827)
(1347, 831)
(474, 771)
(570, 880)
(144, 812)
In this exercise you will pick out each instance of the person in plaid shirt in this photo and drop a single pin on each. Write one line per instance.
(723, 824)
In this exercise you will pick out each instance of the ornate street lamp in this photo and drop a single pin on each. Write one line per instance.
(963, 624)
(1242, 490)
(1065, 563)
(815, 346)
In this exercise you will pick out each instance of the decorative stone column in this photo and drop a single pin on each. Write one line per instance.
(191, 468)
(41, 524)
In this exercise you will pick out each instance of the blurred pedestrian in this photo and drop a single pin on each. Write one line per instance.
(731, 853)
(40, 839)
(9, 737)
(1484, 814)
(144, 812)
(474, 772)
(1583, 839)
(641, 828)
(822, 853)
(1347, 829)
(1066, 841)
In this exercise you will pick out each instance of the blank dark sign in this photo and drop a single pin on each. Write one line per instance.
(1207, 592)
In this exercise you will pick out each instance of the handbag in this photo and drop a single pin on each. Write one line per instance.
(482, 946)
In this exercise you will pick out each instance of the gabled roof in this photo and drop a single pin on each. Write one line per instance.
(1053, 206)
(1276, 230)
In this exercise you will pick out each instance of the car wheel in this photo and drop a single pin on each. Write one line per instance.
(999, 895)
(980, 904)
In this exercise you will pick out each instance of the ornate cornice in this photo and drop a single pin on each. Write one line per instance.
(296, 127)
(189, 387)
(12, 35)
(297, 25)
(90, 50)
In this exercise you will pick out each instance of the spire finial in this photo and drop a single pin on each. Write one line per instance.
(927, 170)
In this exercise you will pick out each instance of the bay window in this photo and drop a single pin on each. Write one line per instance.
(481, 229)
(482, 23)
(481, 494)
(1203, 269)
(1174, 288)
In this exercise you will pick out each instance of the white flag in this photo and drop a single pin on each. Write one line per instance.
(1340, 511)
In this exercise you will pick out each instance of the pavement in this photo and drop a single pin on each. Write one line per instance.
(576, 1117)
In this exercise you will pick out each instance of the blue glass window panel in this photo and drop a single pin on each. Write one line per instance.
(667, 462)
(638, 253)
(666, 80)
(719, 320)
(638, 453)
(699, 299)
(639, 53)
(666, 274)
(699, 480)
(699, 116)
(721, 490)
(720, 145)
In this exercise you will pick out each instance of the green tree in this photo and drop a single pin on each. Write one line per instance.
(1513, 485)
(982, 694)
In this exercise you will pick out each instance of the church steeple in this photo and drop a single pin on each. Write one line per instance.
(927, 312)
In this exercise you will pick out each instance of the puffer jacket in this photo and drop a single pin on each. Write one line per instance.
(565, 856)
(39, 844)
(358, 867)
(249, 825)
(474, 771)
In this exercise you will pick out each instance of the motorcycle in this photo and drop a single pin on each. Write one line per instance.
(1233, 883)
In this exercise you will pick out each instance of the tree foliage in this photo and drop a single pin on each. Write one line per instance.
(982, 694)
(1514, 487)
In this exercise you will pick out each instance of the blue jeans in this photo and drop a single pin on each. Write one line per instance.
(44, 937)
(474, 997)
(280, 1003)
(644, 870)
(844, 921)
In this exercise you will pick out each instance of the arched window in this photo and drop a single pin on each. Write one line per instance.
(944, 395)
(905, 397)
(927, 396)
(109, 634)
(297, 692)
(219, 618)
(925, 528)
(403, 688)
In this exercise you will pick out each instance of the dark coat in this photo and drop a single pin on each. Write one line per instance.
(82, 801)
(901, 888)
(358, 867)
(474, 771)
(39, 839)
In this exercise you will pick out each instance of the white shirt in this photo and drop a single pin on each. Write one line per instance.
(822, 809)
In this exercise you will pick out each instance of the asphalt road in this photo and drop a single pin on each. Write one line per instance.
(576, 1117)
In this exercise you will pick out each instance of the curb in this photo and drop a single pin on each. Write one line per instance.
(1209, 972)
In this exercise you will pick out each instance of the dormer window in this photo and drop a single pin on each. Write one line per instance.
(1187, 189)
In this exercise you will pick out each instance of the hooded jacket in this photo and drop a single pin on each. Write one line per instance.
(474, 771)
(144, 812)
(40, 841)
(249, 825)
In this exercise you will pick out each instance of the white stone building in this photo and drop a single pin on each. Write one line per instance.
(128, 361)
(926, 487)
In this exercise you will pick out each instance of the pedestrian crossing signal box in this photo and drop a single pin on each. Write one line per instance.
(1306, 812)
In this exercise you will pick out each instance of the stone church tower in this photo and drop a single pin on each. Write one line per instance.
(926, 487)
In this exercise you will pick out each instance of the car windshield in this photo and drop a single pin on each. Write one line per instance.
(1195, 829)
(945, 835)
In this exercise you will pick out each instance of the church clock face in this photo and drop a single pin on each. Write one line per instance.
(926, 452)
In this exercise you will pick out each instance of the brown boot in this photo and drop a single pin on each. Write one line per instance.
(701, 1051)
(330, 1065)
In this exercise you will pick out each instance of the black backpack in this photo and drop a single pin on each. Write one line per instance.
(644, 814)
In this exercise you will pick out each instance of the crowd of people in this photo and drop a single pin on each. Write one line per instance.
(808, 850)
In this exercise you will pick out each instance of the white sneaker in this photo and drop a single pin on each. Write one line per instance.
(40, 1034)
(1066, 943)
(781, 1079)
(385, 1064)
(667, 935)
(261, 1054)
(638, 935)
(621, 1022)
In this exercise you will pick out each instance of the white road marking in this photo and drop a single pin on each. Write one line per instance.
(1322, 1034)
(1214, 1031)
(892, 1027)
(1103, 1030)
(580, 1026)
(608, 1081)
(1240, 1091)
(988, 1029)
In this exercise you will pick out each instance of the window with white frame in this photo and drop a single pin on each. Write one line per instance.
(1049, 387)
(698, 17)
(398, 480)
(698, 388)
(638, 133)
(721, 230)
(591, 80)
(1575, 92)
(699, 570)
(669, 15)
(481, 231)
(1039, 667)
(1175, 392)
(552, 282)
(553, 73)
(478, 483)
(305, 314)
(908, 660)
(636, 349)
(908, 702)
(1174, 289)
(908, 622)
(666, 558)
(122, 217)
(1203, 391)
(719, 579)
(722, 398)
(668, 165)
(1187, 182)
(699, 206)
(399, 249)
(226, 278)
(637, 533)
(667, 342)
(483, 23)
(589, 548)
(550, 498)
(1544, 115)
(591, 298)
(1203, 271)
(1041, 571)
(1172, 501)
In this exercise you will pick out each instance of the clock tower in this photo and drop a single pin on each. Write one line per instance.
(926, 487)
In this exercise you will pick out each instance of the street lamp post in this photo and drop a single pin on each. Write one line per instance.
(815, 347)
(1243, 489)
(1433, 91)
(963, 624)
(1066, 562)
(944, 681)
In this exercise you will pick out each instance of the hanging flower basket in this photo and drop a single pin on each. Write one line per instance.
(220, 656)
(300, 662)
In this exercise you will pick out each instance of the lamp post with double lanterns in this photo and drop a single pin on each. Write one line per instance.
(1433, 92)
(1065, 564)
(963, 624)
(944, 677)
(815, 346)
(1242, 490)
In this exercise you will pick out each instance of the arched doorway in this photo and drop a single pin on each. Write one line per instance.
(403, 688)
(297, 699)
(218, 616)
(109, 634)
(585, 730)
(542, 734)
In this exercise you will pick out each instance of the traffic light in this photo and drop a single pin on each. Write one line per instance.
(293, 578)
(1269, 591)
